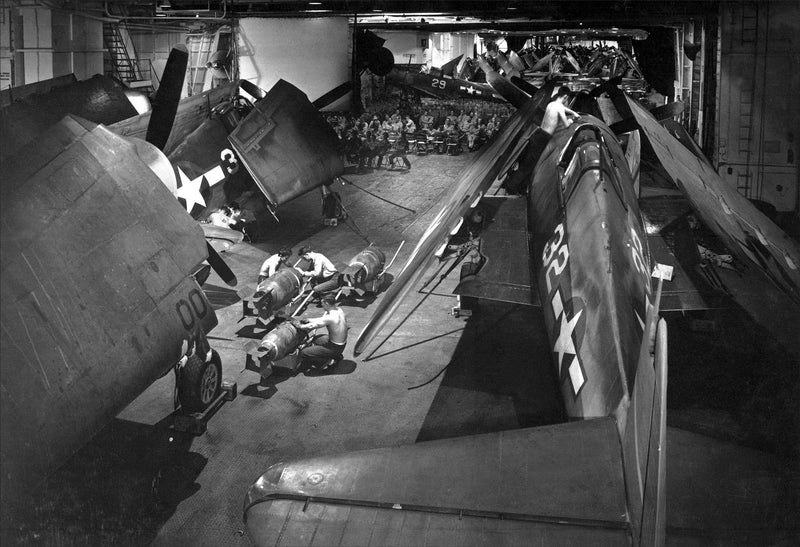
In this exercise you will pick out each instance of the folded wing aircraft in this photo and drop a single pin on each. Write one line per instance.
(99, 291)
(280, 141)
(574, 243)
(440, 83)
(598, 479)
(101, 268)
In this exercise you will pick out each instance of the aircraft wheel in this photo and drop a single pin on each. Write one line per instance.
(200, 382)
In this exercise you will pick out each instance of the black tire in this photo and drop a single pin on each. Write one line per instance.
(199, 382)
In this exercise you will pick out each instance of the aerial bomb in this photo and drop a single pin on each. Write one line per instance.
(365, 269)
(281, 341)
(276, 291)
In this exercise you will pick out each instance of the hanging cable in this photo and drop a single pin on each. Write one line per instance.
(377, 196)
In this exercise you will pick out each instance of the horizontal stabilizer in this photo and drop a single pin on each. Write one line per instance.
(221, 238)
(561, 484)
(504, 244)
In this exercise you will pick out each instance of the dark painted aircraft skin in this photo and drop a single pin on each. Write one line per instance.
(281, 142)
(99, 289)
(590, 262)
(589, 256)
(98, 296)
(100, 99)
(441, 86)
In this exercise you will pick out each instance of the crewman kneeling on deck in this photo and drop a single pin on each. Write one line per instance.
(326, 349)
(322, 269)
(272, 264)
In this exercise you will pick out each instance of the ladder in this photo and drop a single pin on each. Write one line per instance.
(118, 62)
(200, 49)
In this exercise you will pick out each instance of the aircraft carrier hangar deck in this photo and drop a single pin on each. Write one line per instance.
(436, 376)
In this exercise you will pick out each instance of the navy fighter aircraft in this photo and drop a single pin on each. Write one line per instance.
(102, 268)
(99, 290)
(441, 84)
(578, 233)
(222, 137)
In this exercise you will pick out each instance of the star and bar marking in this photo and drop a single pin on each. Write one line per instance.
(564, 345)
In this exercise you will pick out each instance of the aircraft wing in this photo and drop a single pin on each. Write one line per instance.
(286, 145)
(561, 484)
(493, 161)
(97, 292)
(504, 244)
(221, 238)
(100, 99)
(745, 230)
(191, 112)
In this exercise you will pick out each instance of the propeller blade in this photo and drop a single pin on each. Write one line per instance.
(333, 95)
(220, 267)
(165, 104)
(256, 92)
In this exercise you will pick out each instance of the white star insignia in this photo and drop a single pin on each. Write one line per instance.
(565, 345)
(190, 190)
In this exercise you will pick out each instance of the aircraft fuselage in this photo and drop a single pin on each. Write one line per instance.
(589, 257)
(444, 87)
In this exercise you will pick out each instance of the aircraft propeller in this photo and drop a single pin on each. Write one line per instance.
(165, 103)
(165, 106)
(333, 95)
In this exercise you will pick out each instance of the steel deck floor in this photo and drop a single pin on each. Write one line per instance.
(437, 376)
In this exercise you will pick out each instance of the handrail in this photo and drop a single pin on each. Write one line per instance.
(176, 17)
(153, 75)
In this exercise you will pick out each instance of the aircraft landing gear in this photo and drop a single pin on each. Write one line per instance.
(201, 392)
(199, 382)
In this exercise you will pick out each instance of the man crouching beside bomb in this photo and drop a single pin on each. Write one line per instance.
(325, 349)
